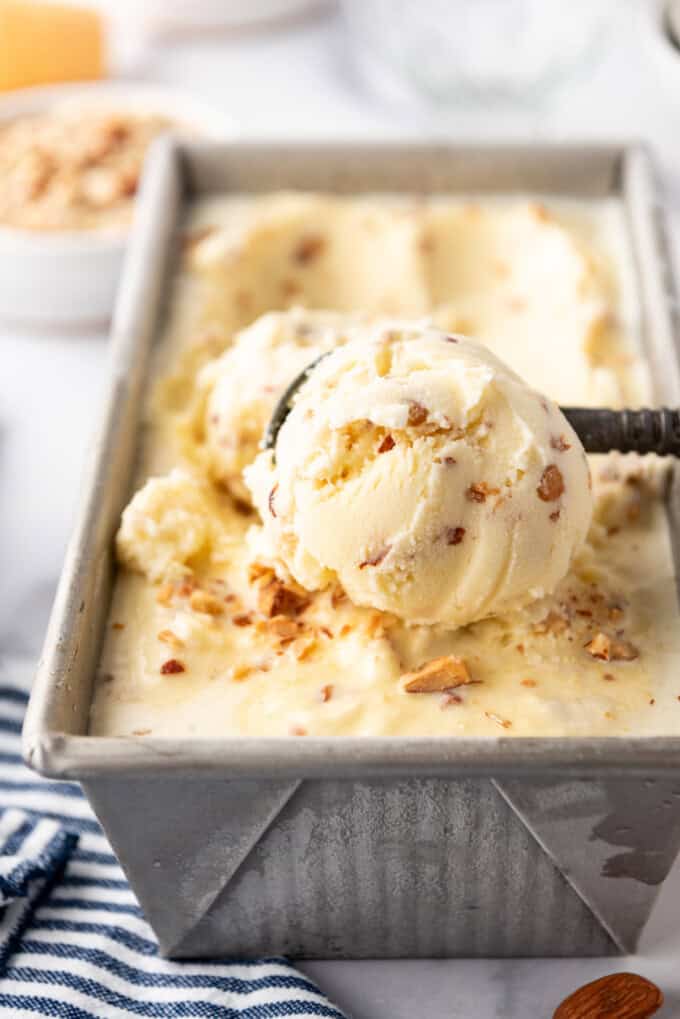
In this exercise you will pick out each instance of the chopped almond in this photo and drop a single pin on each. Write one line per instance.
(171, 667)
(202, 601)
(168, 637)
(282, 627)
(376, 558)
(528, 682)
(325, 693)
(242, 619)
(164, 594)
(279, 599)
(338, 596)
(600, 647)
(308, 248)
(417, 414)
(260, 572)
(440, 674)
(552, 623)
(623, 651)
(386, 445)
(270, 500)
(303, 647)
(479, 491)
(504, 723)
(238, 673)
(551, 485)
(454, 535)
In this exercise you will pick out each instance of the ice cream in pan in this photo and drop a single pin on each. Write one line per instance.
(229, 620)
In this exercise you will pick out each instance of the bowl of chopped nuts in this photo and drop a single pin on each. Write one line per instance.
(70, 163)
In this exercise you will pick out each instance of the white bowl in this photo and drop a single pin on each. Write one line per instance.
(66, 278)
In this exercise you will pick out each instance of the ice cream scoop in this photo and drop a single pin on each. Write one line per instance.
(423, 475)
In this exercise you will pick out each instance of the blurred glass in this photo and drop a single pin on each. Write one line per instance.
(447, 52)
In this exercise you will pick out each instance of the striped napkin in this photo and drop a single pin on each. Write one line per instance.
(73, 941)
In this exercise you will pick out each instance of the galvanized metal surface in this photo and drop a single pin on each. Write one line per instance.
(358, 847)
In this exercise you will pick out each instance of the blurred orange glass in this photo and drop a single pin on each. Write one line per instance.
(41, 43)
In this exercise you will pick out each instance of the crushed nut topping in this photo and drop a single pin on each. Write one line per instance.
(551, 485)
(440, 674)
(260, 572)
(325, 693)
(528, 682)
(376, 558)
(270, 500)
(479, 491)
(202, 601)
(164, 594)
(304, 647)
(559, 443)
(238, 673)
(278, 599)
(608, 649)
(308, 248)
(168, 637)
(242, 619)
(117, 626)
(454, 535)
(387, 444)
(504, 723)
(552, 623)
(417, 414)
(555, 515)
(171, 667)
(282, 627)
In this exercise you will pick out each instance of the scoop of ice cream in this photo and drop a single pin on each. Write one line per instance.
(426, 477)
(166, 526)
(244, 384)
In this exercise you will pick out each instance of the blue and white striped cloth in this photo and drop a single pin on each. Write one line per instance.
(73, 941)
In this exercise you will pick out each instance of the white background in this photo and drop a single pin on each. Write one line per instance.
(295, 81)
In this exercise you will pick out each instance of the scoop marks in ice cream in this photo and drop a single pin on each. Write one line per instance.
(421, 474)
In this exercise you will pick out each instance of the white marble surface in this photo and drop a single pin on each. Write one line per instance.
(294, 82)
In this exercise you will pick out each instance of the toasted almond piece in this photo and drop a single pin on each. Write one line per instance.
(164, 594)
(552, 623)
(278, 599)
(326, 692)
(202, 601)
(619, 995)
(623, 651)
(282, 627)
(260, 572)
(242, 619)
(443, 673)
(303, 647)
(417, 414)
(375, 558)
(504, 723)
(172, 667)
(168, 637)
(600, 647)
(338, 596)
(551, 485)
(238, 673)
(528, 682)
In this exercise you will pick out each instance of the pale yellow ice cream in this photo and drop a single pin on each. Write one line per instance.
(243, 385)
(205, 640)
(425, 477)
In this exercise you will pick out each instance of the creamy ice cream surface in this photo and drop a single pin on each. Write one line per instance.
(210, 634)
(426, 478)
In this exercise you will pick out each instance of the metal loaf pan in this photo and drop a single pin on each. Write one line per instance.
(358, 847)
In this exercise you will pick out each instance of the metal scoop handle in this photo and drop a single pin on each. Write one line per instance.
(600, 430)
(628, 431)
